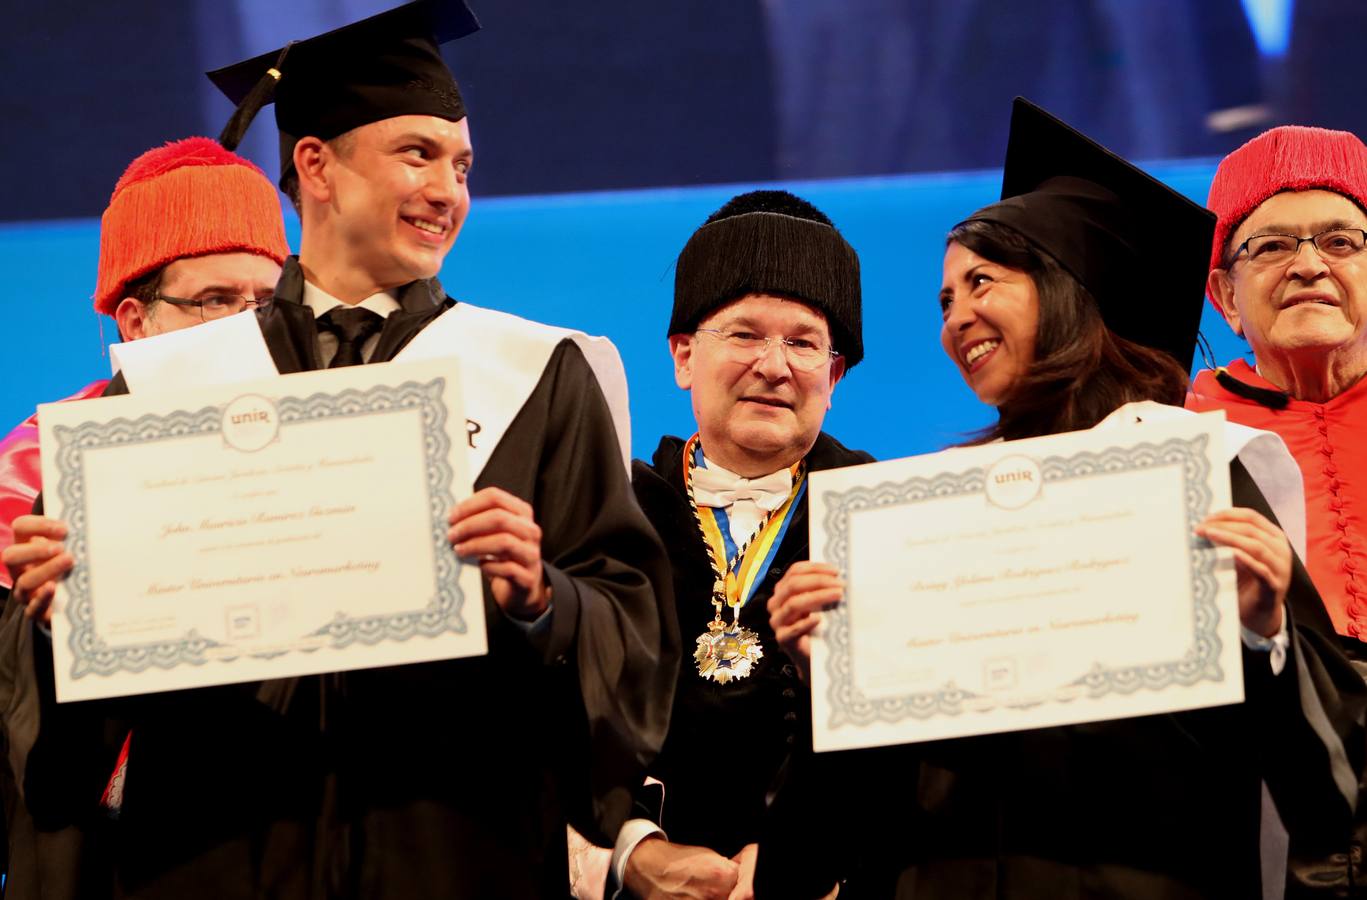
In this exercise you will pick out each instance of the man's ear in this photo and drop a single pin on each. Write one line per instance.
(132, 317)
(681, 348)
(837, 373)
(311, 160)
(1221, 289)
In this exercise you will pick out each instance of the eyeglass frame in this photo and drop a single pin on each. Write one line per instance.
(831, 353)
(1243, 248)
(248, 303)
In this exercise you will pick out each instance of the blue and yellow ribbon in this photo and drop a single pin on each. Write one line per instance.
(744, 567)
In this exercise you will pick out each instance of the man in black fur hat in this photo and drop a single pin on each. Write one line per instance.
(766, 321)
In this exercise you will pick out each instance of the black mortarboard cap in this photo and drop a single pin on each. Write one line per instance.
(384, 66)
(771, 242)
(1139, 247)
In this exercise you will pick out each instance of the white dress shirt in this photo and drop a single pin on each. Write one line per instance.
(320, 301)
(746, 500)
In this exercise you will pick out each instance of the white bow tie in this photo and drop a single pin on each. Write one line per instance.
(720, 488)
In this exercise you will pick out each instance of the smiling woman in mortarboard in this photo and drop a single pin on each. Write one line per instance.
(1078, 293)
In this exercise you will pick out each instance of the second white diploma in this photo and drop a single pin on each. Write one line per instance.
(1027, 584)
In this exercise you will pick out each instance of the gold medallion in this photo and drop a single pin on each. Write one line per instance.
(725, 653)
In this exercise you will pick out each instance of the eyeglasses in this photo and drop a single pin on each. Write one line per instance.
(746, 346)
(217, 306)
(1279, 249)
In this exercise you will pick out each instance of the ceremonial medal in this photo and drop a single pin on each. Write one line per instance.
(725, 653)
(728, 652)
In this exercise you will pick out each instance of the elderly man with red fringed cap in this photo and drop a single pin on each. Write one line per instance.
(192, 233)
(1289, 275)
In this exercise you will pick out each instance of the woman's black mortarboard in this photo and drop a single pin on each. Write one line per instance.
(1139, 247)
(771, 242)
(384, 66)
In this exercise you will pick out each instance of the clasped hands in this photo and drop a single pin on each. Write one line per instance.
(1262, 564)
(491, 527)
(658, 869)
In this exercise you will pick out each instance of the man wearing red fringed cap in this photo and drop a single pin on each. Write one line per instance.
(192, 233)
(1289, 274)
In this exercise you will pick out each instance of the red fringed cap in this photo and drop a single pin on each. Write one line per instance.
(188, 198)
(1288, 158)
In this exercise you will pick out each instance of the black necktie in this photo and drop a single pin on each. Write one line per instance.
(352, 326)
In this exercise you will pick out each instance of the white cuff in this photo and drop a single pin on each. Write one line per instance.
(1276, 645)
(633, 832)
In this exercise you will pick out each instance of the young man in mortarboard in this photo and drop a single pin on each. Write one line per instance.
(192, 233)
(766, 321)
(452, 779)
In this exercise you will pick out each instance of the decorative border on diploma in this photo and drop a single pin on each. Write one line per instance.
(1201, 662)
(92, 655)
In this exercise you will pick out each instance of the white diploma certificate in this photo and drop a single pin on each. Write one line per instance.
(265, 529)
(1025, 584)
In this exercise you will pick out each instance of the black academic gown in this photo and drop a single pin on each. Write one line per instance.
(48, 858)
(449, 779)
(1160, 806)
(727, 742)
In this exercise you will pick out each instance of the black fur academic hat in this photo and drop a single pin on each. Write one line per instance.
(771, 242)
(1139, 247)
(384, 66)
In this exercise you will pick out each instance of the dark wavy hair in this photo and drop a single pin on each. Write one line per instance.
(1082, 370)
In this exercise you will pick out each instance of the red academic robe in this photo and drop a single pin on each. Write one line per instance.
(21, 472)
(1327, 441)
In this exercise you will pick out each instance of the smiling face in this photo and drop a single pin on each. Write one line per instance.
(991, 319)
(756, 413)
(1307, 306)
(384, 202)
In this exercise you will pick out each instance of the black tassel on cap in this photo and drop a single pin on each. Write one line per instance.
(1269, 398)
(260, 94)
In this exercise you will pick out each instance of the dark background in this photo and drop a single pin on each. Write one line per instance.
(607, 131)
(610, 94)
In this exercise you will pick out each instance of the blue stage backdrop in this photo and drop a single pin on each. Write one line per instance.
(603, 262)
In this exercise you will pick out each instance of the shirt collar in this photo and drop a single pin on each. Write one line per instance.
(320, 301)
(716, 486)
